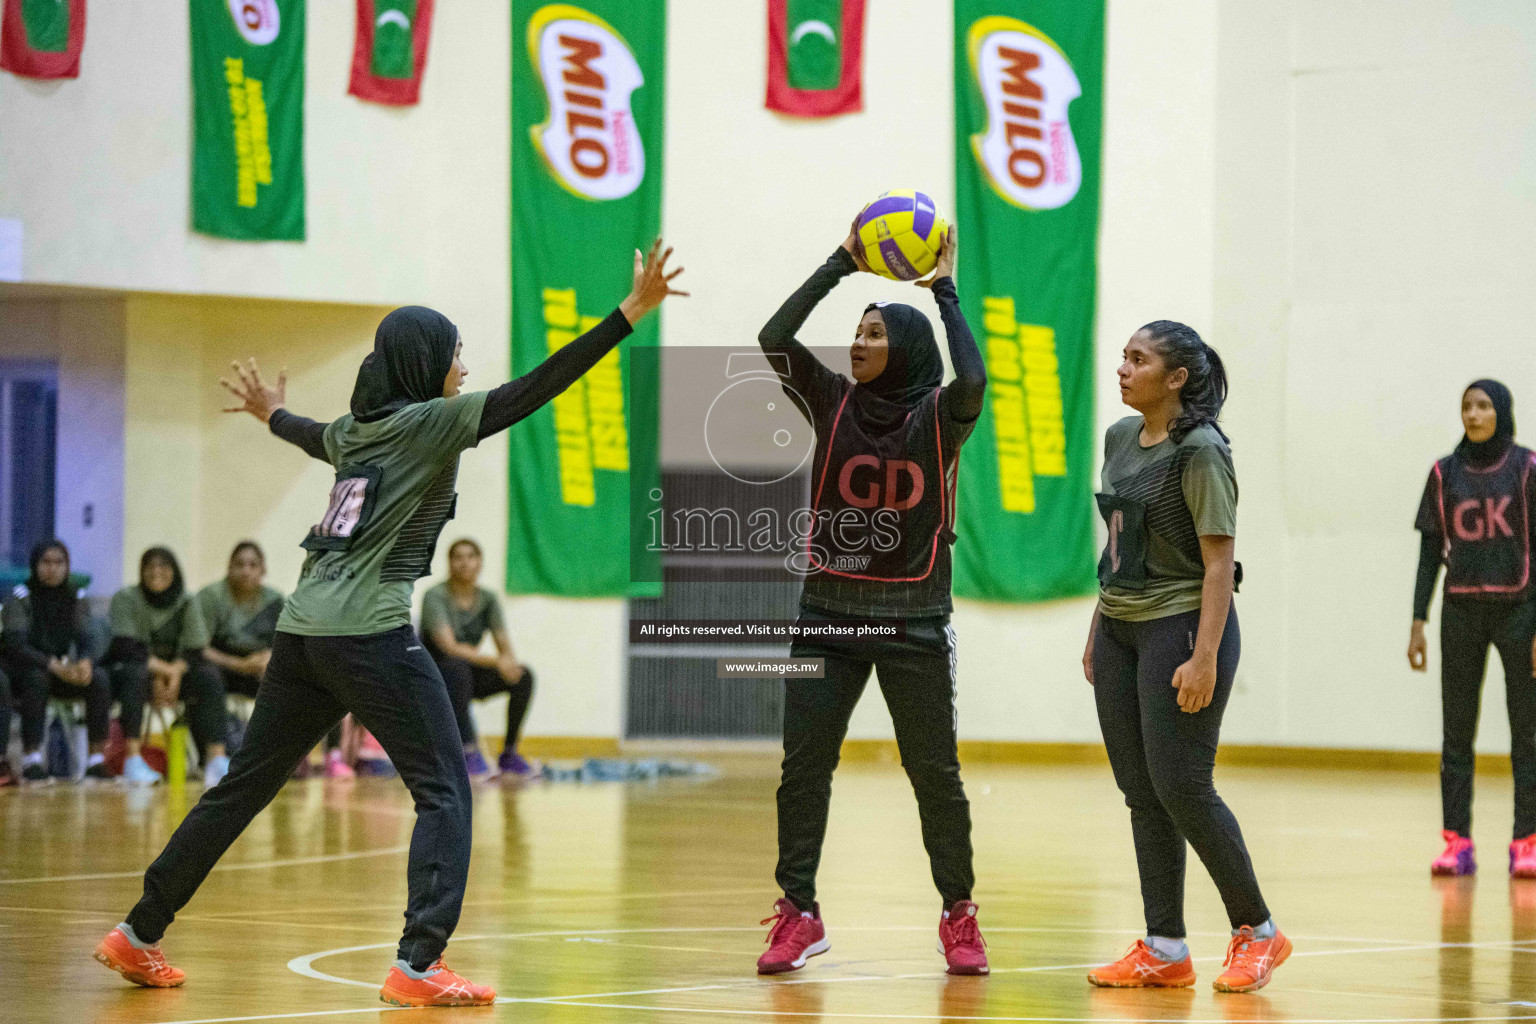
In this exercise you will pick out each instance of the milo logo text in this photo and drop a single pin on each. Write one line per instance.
(1027, 151)
(589, 143)
(258, 21)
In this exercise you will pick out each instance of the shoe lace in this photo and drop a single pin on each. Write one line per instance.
(155, 960)
(782, 921)
(1241, 953)
(966, 932)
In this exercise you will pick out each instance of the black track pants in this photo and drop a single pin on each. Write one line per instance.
(393, 688)
(918, 682)
(34, 685)
(1467, 630)
(467, 682)
(1162, 759)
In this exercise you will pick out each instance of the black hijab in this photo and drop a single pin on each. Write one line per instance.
(913, 368)
(52, 626)
(1486, 453)
(412, 354)
(171, 594)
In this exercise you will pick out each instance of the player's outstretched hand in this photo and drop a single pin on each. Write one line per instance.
(653, 283)
(255, 395)
(948, 250)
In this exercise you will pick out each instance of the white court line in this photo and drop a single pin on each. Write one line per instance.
(324, 858)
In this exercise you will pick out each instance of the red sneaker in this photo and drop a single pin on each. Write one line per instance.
(1522, 858)
(145, 967)
(1458, 858)
(960, 940)
(794, 939)
(441, 987)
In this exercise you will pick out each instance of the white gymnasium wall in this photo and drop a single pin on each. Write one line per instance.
(1339, 194)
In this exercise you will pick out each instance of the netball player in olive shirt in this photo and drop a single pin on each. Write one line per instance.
(886, 449)
(1163, 650)
(455, 616)
(344, 641)
(1476, 519)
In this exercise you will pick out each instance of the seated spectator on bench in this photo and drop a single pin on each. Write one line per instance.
(158, 637)
(455, 616)
(241, 616)
(51, 648)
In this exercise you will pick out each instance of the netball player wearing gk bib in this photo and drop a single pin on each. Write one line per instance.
(883, 487)
(1163, 650)
(1476, 519)
(344, 642)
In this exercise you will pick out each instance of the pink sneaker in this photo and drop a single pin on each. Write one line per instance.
(1522, 857)
(336, 767)
(795, 938)
(960, 940)
(1459, 857)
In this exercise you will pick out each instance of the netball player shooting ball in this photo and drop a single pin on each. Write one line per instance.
(344, 641)
(888, 438)
(1476, 518)
(1163, 650)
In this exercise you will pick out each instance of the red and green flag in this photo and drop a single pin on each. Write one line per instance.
(42, 38)
(815, 57)
(389, 53)
(248, 118)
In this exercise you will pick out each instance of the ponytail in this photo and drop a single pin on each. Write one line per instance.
(1205, 392)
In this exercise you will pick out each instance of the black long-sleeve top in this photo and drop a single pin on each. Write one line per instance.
(959, 405)
(961, 399)
(504, 405)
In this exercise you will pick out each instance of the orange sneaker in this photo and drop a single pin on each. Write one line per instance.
(439, 988)
(1142, 968)
(145, 967)
(1251, 961)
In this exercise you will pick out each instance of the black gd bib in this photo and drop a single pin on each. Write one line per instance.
(882, 505)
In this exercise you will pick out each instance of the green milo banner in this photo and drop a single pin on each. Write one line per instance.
(1028, 120)
(248, 118)
(587, 112)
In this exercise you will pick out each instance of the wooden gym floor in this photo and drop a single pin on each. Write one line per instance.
(640, 903)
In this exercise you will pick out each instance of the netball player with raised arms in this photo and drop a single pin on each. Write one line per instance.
(1163, 650)
(886, 446)
(1476, 519)
(344, 641)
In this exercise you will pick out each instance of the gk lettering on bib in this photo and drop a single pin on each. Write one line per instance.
(1485, 521)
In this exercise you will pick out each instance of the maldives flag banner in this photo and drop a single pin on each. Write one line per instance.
(248, 118)
(588, 118)
(1028, 121)
(389, 53)
(815, 57)
(42, 38)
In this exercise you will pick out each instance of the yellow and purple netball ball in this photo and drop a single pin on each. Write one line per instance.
(901, 233)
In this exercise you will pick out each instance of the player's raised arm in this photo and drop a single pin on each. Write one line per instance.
(520, 397)
(778, 334)
(266, 403)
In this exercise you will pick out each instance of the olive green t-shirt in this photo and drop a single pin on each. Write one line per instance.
(469, 625)
(167, 632)
(1189, 491)
(236, 628)
(394, 492)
